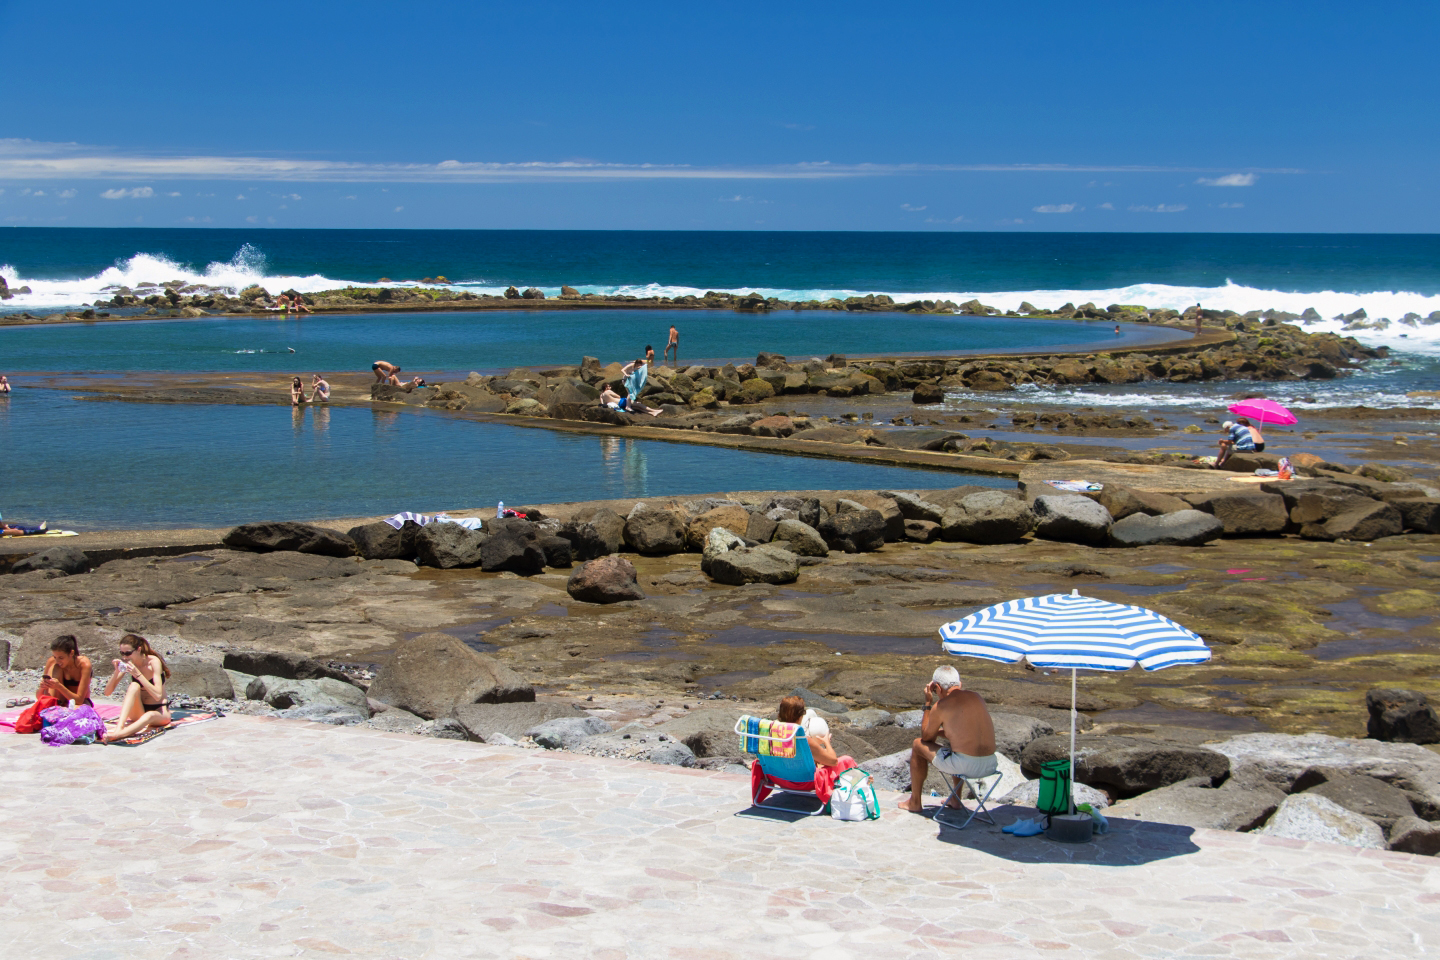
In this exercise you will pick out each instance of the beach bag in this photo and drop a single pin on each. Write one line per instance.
(854, 796)
(30, 721)
(1054, 788)
(1286, 471)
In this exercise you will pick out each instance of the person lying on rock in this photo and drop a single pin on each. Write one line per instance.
(828, 766)
(8, 529)
(610, 398)
(67, 674)
(145, 705)
(1238, 437)
(961, 717)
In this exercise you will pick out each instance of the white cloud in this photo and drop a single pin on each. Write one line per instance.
(240, 197)
(1159, 208)
(134, 193)
(39, 193)
(32, 160)
(1229, 180)
(289, 196)
(1058, 208)
(943, 220)
(252, 219)
(1107, 206)
(906, 206)
(1231, 206)
(173, 193)
(398, 209)
(350, 197)
(67, 194)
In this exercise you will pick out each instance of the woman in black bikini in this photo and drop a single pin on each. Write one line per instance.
(145, 705)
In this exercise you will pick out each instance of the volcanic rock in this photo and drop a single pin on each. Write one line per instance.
(434, 673)
(609, 579)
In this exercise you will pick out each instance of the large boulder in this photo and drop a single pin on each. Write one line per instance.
(566, 733)
(800, 539)
(194, 677)
(1234, 805)
(707, 732)
(448, 546)
(282, 694)
(1370, 520)
(1281, 758)
(1013, 732)
(913, 507)
(987, 517)
(1246, 513)
(513, 546)
(609, 579)
(275, 663)
(609, 528)
(1371, 798)
(854, 528)
(433, 674)
(482, 721)
(299, 537)
(380, 541)
(732, 517)
(1126, 766)
(66, 559)
(1403, 716)
(727, 560)
(1323, 502)
(1313, 818)
(1183, 528)
(556, 550)
(1070, 519)
(1413, 835)
(586, 540)
(1421, 515)
(654, 532)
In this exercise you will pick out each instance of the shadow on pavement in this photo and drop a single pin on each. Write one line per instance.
(1129, 842)
(784, 808)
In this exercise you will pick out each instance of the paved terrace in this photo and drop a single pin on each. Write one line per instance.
(251, 837)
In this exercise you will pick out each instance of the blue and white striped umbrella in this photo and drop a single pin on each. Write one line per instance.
(1074, 632)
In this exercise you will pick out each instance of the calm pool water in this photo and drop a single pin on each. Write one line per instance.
(86, 464)
(502, 340)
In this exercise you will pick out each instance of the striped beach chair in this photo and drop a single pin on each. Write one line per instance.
(782, 755)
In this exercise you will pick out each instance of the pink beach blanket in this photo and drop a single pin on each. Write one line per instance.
(107, 711)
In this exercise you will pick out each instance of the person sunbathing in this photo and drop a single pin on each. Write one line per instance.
(67, 674)
(828, 765)
(961, 717)
(8, 529)
(145, 705)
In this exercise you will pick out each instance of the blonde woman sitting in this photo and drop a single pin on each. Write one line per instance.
(145, 705)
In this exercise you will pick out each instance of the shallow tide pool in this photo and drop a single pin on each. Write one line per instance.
(87, 465)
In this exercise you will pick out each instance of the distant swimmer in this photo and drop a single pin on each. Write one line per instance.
(649, 354)
(1117, 329)
(319, 389)
(4, 385)
(672, 344)
(290, 349)
(385, 370)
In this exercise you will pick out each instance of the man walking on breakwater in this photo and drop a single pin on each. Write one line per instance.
(672, 344)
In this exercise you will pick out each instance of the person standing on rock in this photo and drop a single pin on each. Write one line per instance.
(673, 344)
(384, 370)
(961, 717)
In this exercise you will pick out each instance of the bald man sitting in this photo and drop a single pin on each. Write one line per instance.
(961, 717)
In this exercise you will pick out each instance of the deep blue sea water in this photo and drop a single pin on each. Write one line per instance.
(88, 465)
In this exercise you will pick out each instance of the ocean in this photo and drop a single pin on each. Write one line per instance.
(1389, 276)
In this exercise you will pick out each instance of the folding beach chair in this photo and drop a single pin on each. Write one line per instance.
(980, 792)
(793, 775)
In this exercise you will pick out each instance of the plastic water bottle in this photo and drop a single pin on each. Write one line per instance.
(500, 509)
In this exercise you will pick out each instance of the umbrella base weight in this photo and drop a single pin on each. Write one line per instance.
(1071, 828)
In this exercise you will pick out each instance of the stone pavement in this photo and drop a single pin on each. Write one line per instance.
(249, 837)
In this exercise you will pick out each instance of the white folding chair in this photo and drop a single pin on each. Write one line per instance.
(975, 784)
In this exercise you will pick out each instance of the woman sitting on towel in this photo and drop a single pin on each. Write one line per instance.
(828, 766)
(67, 674)
(145, 704)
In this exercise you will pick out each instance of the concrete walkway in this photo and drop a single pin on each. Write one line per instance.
(249, 837)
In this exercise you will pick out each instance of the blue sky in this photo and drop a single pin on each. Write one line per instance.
(1263, 116)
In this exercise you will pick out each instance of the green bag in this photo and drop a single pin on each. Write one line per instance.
(1054, 788)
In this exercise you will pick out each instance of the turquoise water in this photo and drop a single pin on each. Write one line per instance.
(501, 340)
(94, 465)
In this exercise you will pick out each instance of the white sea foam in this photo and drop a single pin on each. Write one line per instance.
(249, 266)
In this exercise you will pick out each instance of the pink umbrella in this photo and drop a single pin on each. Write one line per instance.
(1266, 411)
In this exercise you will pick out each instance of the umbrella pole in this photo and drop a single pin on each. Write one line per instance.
(1072, 740)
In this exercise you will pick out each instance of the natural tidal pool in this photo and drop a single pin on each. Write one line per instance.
(90, 465)
(501, 340)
